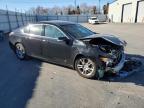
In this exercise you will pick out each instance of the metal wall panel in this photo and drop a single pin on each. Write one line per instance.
(140, 15)
(127, 10)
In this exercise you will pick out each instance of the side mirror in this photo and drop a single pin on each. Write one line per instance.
(63, 38)
(67, 41)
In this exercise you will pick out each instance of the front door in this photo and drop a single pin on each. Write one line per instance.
(55, 50)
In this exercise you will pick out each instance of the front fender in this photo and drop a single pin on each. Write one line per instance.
(87, 51)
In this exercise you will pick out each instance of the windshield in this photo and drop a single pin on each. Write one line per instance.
(77, 31)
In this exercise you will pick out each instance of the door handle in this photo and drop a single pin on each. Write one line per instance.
(44, 40)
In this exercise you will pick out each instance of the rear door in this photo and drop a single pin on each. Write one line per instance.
(33, 39)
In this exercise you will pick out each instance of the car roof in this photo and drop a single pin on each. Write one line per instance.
(56, 22)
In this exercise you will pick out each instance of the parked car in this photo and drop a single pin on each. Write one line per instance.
(69, 44)
(93, 20)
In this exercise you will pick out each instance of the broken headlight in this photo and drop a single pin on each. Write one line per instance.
(105, 48)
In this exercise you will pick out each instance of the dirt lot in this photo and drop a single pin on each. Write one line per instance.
(36, 84)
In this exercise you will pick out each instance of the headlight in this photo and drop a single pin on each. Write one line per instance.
(123, 42)
(102, 48)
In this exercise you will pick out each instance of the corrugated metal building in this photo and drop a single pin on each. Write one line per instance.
(127, 11)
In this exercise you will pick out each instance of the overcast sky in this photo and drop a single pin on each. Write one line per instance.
(26, 4)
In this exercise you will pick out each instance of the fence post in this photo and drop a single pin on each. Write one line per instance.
(87, 17)
(16, 18)
(47, 18)
(67, 17)
(25, 18)
(22, 18)
(9, 23)
(36, 18)
(57, 17)
(77, 18)
(29, 18)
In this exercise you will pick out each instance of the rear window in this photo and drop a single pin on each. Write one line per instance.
(33, 29)
(26, 29)
(36, 29)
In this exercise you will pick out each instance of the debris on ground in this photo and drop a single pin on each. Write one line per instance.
(131, 66)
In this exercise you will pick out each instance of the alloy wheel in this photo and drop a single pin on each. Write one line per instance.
(85, 66)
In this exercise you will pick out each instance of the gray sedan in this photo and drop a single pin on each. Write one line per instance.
(69, 44)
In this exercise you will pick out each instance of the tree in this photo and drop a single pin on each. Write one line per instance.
(61, 13)
(39, 10)
(73, 12)
(94, 10)
(106, 8)
(65, 10)
(78, 10)
(69, 11)
(84, 8)
(56, 10)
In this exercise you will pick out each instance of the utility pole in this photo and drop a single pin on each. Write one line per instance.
(99, 6)
(75, 3)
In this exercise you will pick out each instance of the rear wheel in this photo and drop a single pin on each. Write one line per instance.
(86, 67)
(20, 51)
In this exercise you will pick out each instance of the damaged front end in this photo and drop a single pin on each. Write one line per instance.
(111, 53)
(113, 59)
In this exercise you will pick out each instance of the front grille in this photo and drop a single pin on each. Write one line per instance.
(115, 52)
(118, 58)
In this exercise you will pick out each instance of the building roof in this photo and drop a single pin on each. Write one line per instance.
(113, 1)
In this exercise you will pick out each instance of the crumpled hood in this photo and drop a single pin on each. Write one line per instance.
(110, 38)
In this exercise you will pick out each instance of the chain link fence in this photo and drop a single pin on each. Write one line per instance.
(11, 20)
(72, 18)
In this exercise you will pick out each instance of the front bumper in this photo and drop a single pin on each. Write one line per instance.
(94, 22)
(118, 67)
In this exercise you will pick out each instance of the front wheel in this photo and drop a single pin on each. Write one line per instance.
(86, 67)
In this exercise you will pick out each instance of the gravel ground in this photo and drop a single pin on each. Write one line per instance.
(37, 84)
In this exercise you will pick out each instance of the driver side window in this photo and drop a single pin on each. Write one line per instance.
(53, 32)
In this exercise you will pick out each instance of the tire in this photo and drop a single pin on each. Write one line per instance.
(20, 51)
(86, 67)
